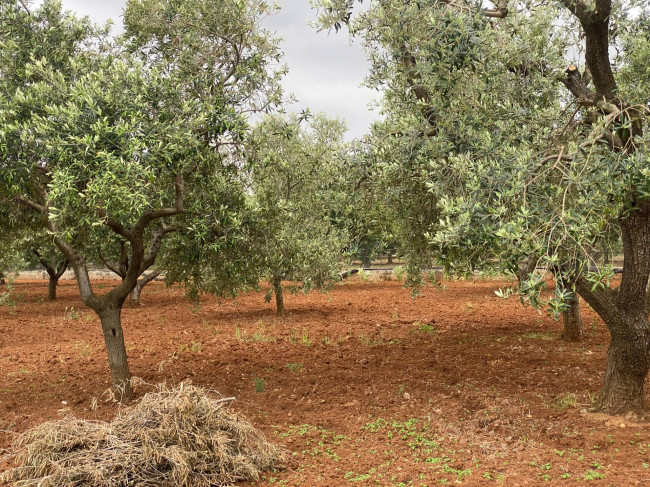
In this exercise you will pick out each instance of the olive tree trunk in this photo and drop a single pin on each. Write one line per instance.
(279, 297)
(54, 272)
(625, 312)
(111, 320)
(572, 320)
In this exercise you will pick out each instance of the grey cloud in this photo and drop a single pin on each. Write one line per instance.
(325, 70)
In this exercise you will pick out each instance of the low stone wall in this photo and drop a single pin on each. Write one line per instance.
(68, 275)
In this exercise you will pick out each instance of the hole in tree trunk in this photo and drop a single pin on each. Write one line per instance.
(114, 332)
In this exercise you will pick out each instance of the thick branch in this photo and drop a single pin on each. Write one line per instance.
(32, 204)
(61, 269)
(498, 13)
(150, 215)
(601, 299)
(579, 8)
(78, 263)
(154, 247)
(148, 278)
(413, 79)
(575, 83)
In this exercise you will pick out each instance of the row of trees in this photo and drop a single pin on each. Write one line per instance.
(512, 139)
(136, 154)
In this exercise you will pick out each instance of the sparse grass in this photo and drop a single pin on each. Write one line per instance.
(302, 339)
(193, 347)
(372, 341)
(84, 349)
(260, 384)
(241, 334)
(539, 336)
(71, 314)
(207, 326)
(294, 367)
(565, 400)
(424, 328)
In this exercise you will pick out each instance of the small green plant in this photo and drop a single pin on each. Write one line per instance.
(371, 341)
(260, 385)
(399, 273)
(305, 341)
(425, 328)
(593, 475)
(85, 350)
(294, 367)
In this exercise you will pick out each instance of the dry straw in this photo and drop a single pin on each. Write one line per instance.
(172, 437)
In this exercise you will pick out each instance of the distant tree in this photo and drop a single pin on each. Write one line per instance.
(53, 261)
(297, 185)
(105, 139)
(524, 147)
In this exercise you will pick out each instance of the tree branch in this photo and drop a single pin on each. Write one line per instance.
(112, 267)
(62, 268)
(498, 13)
(25, 6)
(149, 277)
(575, 84)
(32, 204)
(150, 215)
(154, 247)
(601, 299)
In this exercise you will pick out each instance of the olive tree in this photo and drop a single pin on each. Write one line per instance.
(542, 132)
(297, 184)
(104, 139)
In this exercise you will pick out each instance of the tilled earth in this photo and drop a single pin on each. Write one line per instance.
(364, 385)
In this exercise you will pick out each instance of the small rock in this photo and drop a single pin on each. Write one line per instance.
(406, 396)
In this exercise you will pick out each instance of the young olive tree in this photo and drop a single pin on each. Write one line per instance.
(297, 184)
(105, 139)
(542, 132)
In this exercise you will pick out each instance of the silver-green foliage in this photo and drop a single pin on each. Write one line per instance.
(298, 186)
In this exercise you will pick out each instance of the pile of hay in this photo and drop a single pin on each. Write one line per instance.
(172, 437)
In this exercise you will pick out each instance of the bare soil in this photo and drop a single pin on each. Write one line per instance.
(364, 385)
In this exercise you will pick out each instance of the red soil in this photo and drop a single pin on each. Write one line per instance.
(364, 385)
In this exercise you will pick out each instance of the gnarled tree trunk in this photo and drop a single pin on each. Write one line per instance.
(624, 311)
(627, 366)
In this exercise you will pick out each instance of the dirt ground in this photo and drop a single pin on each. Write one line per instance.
(364, 385)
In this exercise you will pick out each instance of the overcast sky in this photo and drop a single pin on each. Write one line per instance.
(325, 71)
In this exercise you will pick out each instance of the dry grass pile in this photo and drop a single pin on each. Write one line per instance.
(172, 437)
